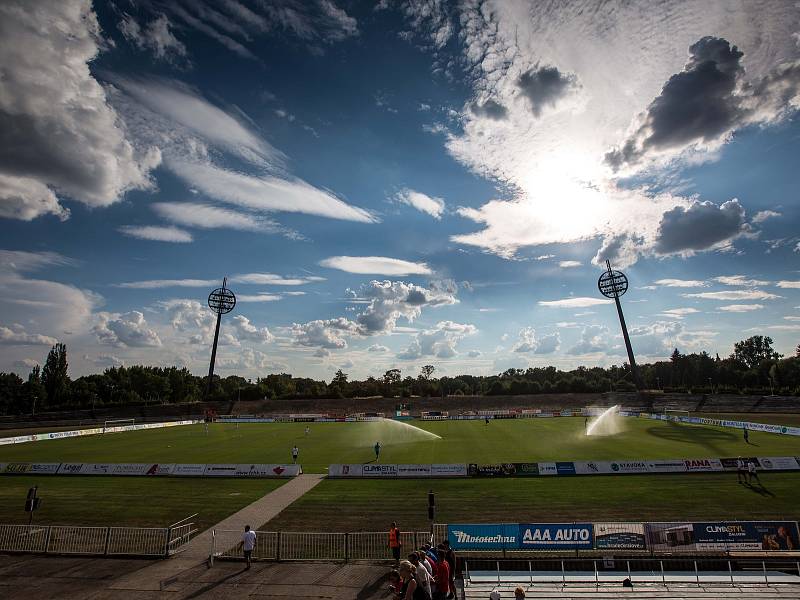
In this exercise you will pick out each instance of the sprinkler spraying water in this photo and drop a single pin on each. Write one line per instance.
(410, 429)
(608, 423)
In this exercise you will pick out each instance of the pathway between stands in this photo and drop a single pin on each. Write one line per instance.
(159, 575)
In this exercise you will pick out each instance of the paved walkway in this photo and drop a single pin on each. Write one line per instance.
(160, 575)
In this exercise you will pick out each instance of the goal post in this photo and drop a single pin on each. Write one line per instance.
(674, 414)
(113, 424)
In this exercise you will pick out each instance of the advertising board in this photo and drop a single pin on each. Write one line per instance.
(565, 468)
(188, 470)
(666, 466)
(779, 463)
(747, 535)
(451, 470)
(491, 470)
(483, 537)
(413, 470)
(379, 470)
(619, 536)
(556, 536)
(547, 468)
(703, 464)
(266, 470)
(225, 470)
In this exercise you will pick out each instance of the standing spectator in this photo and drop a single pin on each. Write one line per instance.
(746, 435)
(450, 557)
(377, 451)
(308, 430)
(751, 471)
(519, 593)
(741, 470)
(248, 543)
(295, 453)
(421, 573)
(442, 576)
(410, 589)
(394, 541)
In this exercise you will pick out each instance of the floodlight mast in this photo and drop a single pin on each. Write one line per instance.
(613, 284)
(221, 301)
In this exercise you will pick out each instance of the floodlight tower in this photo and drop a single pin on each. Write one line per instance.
(613, 284)
(221, 301)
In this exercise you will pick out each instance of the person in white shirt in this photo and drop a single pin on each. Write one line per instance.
(751, 471)
(248, 543)
(741, 470)
(308, 430)
(421, 574)
(295, 452)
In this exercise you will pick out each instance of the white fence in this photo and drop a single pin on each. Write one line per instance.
(96, 541)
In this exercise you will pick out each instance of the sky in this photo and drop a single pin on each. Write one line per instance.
(397, 183)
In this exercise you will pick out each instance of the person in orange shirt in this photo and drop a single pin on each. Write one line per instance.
(394, 541)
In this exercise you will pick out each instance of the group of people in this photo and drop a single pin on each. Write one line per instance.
(429, 573)
(746, 470)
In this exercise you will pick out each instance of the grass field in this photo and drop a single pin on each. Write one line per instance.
(359, 505)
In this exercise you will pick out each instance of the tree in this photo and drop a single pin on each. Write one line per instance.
(54, 375)
(427, 371)
(391, 378)
(339, 383)
(752, 351)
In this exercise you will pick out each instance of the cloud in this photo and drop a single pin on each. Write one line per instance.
(25, 199)
(266, 193)
(569, 264)
(324, 333)
(579, 302)
(337, 24)
(789, 285)
(125, 330)
(701, 106)
(734, 295)
(57, 131)
(152, 284)
(155, 37)
(186, 107)
(439, 341)
(490, 109)
(377, 349)
(544, 87)
(260, 297)
(157, 233)
(375, 265)
(16, 335)
(474, 353)
(245, 330)
(701, 226)
(205, 216)
(763, 215)
(422, 202)
(272, 279)
(593, 340)
(387, 301)
(681, 283)
(249, 359)
(104, 361)
(189, 316)
(739, 280)
(530, 342)
(740, 308)
(679, 313)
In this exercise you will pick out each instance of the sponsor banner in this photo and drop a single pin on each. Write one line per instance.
(556, 536)
(189, 470)
(619, 536)
(379, 470)
(159, 469)
(666, 466)
(413, 470)
(443, 470)
(483, 537)
(263, 470)
(604, 467)
(70, 469)
(703, 464)
(730, 464)
(29, 468)
(224, 470)
(97, 469)
(592, 467)
(527, 469)
(565, 468)
(779, 463)
(547, 468)
(492, 470)
(57, 435)
(750, 535)
(766, 427)
(344, 470)
(129, 469)
(629, 466)
(669, 537)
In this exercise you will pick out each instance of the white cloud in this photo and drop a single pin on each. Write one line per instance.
(740, 308)
(249, 359)
(422, 202)
(375, 265)
(16, 335)
(789, 285)
(734, 295)
(57, 131)
(679, 313)
(261, 297)
(569, 264)
(684, 283)
(594, 339)
(245, 330)
(390, 300)
(324, 333)
(530, 342)
(153, 284)
(266, 193)
(377, 348)
(204, 216)
(763, 215)
(125, 330)
(157, 233)
(272, 279)
(189, 316)
(439, 341)
(474, 353)
(156, 36)
(579, 302)
(740, 280)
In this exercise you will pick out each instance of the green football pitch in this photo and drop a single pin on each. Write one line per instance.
(359, 505)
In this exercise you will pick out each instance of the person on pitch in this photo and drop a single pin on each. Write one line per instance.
(377, 451)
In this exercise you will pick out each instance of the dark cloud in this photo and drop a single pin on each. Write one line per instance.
(706, 101)
(699, 227)
(490, 109)
(543, 86)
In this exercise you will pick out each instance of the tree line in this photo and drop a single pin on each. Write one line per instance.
(752, 368)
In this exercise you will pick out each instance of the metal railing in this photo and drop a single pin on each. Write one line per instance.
(97, 541)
